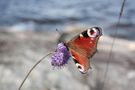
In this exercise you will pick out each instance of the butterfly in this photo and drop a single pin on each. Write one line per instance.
(83, 46)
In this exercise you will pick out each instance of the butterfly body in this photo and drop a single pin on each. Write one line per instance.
(83, 46)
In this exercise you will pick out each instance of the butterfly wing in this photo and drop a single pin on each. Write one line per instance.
(83, 47)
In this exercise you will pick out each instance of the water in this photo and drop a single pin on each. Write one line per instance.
(42, 15)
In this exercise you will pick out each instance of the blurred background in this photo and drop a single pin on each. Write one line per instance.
(26, 30)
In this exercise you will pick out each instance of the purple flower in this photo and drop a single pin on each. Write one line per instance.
(60, 56)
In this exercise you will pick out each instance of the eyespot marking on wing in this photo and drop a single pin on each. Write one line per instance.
(94, 32)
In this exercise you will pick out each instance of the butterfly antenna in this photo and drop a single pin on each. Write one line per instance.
(113, 41)
(58, 31)
(32, 69)
(62, 36)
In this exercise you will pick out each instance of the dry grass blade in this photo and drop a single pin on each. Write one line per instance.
(32, 69)
(113, 41)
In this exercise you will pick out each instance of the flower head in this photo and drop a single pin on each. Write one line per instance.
(60, 56)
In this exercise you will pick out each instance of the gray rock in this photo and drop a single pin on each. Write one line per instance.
(20, 50)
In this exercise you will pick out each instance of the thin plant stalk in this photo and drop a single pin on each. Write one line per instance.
(113, 42)
(32, 69)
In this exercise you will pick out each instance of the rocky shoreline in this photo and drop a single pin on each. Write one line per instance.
(20, 50)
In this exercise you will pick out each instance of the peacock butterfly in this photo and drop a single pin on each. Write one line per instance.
(83, 46)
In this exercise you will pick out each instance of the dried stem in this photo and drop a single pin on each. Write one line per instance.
(32, 69)
(113, 41)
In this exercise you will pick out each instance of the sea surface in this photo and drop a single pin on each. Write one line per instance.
(41, 15)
